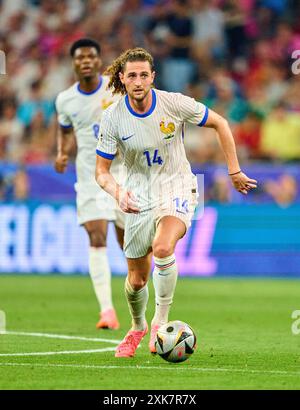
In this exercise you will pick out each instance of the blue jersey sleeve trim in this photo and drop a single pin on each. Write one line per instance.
(104, 154)
(91, 92)
(146, 114)
(65, 126)
(204, 119)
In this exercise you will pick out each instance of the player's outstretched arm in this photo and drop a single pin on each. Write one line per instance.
(239, 180)
(65, 143)
(106, 181)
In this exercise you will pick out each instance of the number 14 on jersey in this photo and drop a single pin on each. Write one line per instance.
(155, 159)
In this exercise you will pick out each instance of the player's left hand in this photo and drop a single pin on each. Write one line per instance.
(128, 203)
(242, 183)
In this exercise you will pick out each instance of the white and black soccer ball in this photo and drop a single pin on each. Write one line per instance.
(175, 341)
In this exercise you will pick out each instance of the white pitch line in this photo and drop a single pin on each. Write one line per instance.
(66, 337)
(2, 321)
(107, 349)
(171, 368)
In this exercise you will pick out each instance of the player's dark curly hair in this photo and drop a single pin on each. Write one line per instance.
(133, 54)
(84, 42)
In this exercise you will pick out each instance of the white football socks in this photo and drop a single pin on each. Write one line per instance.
(101, 276)
(164, 281)
(137, 303)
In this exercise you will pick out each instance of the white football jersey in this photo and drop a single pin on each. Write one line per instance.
(152, 145)
(83, 111)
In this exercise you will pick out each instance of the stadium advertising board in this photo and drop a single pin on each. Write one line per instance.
(229, 240)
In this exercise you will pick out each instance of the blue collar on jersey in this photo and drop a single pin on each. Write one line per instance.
(91, 92)
(150, 111)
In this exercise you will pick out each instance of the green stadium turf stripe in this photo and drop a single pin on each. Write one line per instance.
(171, 368)
(107, 349)
(66, 337)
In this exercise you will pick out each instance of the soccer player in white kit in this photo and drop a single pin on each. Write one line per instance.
(79, 110)
(160, 193)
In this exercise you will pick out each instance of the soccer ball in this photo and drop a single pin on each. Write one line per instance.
(175, 341)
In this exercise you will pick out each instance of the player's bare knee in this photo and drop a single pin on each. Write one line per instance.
(97, 239)
(138, 283)
(162, 250)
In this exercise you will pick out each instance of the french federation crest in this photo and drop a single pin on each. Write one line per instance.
(167, 129)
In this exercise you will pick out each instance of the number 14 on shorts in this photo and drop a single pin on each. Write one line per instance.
(181, 205)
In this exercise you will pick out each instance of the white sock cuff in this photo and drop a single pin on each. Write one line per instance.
(95, 251)
(164, 263)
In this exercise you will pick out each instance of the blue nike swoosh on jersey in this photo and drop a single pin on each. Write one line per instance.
(127, 138)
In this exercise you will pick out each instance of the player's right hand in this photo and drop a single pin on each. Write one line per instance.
(61, 163)
(128, 203)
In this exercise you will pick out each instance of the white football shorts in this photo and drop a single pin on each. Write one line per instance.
(140, 228)
(93, 203)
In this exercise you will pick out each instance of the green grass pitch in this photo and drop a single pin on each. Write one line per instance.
(243, 329)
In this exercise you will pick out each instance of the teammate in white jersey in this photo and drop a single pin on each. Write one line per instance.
(160, 192)
(79, 110)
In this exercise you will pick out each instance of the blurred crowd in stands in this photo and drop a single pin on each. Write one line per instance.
(233, 55)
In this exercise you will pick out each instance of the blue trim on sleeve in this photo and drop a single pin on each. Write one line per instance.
(146, 114)
(65, 126)
(204, 119)
(104, 154)
(91, 92)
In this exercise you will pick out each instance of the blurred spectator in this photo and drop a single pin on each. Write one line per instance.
(2, 188)
(248, 136)
(40, 141)
(58, 74)
(20, 186)
(233, 55)
(285, 42)
(28, 109)
(178, 68)
(235, 22)
(11, 133)
(156, 35)
(133, 15)
(23, 29)
(225, 99)
(259, 61)
(208, 29)
(280, 138)
(266, 21)
(258, 100)
(276, 84)
(202, 145)
(8, 8)
(22, 73)
(15, 187)
(292, 95)
(126, 36)
(277, 6)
